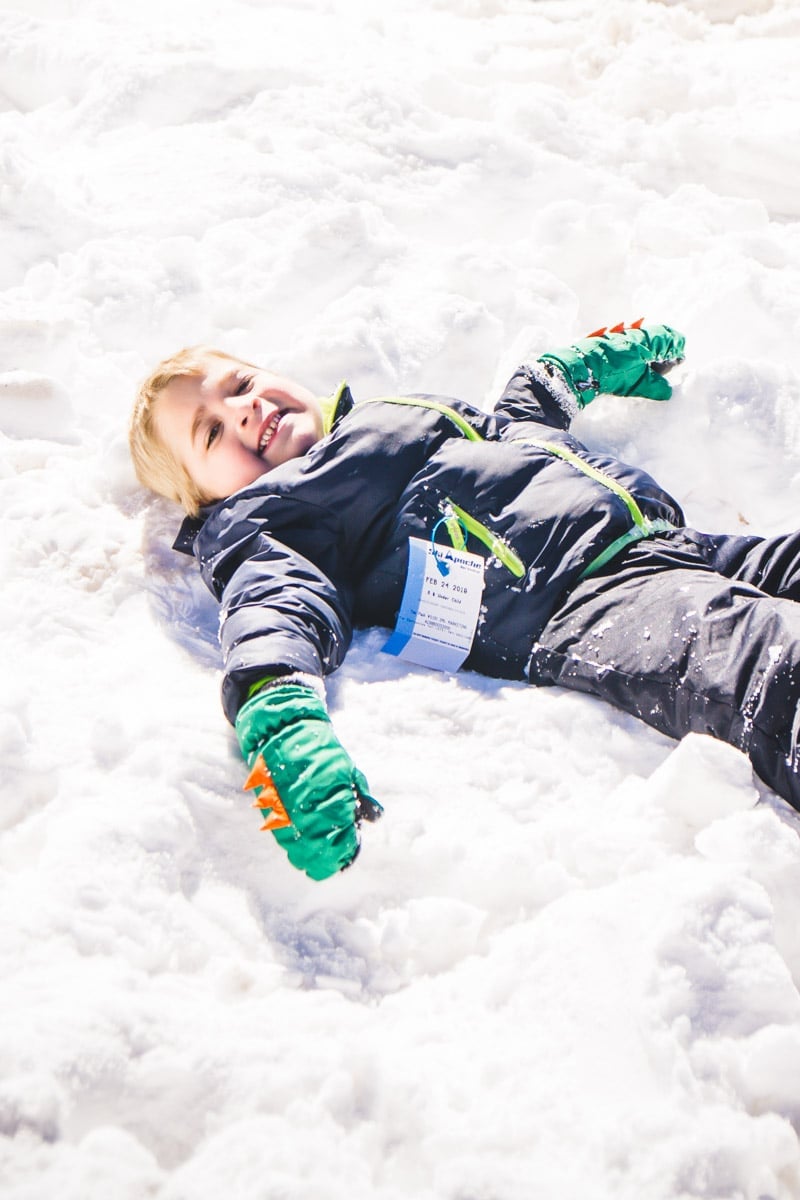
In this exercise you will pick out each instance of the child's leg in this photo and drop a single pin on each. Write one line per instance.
(771, 564)
(682, 647)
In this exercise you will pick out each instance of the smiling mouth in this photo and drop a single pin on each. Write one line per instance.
(270, 429)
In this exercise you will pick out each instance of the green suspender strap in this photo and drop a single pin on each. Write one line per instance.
(635, 534)
(461, 423)
(643, 527)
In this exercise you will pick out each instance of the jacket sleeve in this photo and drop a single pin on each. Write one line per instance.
(538, 392)
(280, 613)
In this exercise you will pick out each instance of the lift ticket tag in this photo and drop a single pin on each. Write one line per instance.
(440, 606)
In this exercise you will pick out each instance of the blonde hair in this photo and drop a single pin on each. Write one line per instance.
(155, 464)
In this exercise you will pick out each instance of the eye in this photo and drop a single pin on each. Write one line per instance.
(243, 385)
(213, 433)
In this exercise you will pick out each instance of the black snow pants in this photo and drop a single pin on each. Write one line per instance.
(692, 632)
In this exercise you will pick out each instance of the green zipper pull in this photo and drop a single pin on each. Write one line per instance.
(454, 528)
(503, 553)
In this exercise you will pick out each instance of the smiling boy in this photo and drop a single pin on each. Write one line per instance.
(225, 421)
(307, 517)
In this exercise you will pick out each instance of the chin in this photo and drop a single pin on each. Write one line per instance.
(251, 478)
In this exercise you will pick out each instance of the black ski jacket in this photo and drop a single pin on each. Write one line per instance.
(320, 543)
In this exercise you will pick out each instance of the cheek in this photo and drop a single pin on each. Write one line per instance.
(310, 423)
(230, 471)
(244, 468)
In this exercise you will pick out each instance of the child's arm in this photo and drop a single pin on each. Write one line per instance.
(285, 624)
(623, 361)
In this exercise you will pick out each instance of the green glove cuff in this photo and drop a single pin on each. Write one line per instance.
(271, 710)
(629, 362)
(319, 787)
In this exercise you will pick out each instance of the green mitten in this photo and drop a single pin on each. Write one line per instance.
(309, 790)
(622, 361)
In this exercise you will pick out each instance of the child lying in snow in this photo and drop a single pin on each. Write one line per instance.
(493, 539)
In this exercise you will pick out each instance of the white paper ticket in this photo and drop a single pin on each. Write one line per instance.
(439, 611)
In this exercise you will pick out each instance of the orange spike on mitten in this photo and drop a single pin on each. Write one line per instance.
(618, 328)
(259, 776)
(277, 819)
(268, 797)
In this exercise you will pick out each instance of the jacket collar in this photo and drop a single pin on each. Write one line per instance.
(333, 407)
(189, 529)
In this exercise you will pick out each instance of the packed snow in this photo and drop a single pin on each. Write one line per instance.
(566, 963)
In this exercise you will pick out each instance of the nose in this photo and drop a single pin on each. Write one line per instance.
(244, 408)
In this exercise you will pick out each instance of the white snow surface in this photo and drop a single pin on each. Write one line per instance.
(566, 963)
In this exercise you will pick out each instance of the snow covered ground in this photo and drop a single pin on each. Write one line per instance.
(566, 964)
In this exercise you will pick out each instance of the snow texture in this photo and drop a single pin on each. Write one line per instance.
(566, 963)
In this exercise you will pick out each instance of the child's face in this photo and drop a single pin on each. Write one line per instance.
(234, 422)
